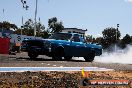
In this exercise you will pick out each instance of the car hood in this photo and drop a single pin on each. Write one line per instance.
(94, 46)
(55, 41)
(66, 42)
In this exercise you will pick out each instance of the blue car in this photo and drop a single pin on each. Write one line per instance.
(60, 45)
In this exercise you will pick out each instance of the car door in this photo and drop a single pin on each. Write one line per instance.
(77, 47)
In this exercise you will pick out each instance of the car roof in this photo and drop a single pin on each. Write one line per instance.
(33, 40)
(69, 33)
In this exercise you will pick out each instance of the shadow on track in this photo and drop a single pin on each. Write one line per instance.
(44, 59)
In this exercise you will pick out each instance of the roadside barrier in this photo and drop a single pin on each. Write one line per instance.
(4, 45)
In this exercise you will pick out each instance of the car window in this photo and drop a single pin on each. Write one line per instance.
(76, 38)
(61, 36)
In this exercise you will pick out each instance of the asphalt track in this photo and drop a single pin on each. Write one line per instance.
(22, 60)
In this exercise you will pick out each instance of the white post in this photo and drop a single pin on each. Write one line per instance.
(2, 23)
(35, 18)
(21, 33)
(116, 37)
(21, 29)
(26, 8)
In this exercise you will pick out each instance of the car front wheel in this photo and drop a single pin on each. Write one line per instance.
(32, 55)
(90, 57)
(57, 54)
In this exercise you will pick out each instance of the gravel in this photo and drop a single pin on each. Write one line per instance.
(54, 79)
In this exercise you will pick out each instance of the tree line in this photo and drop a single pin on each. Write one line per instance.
(111, 36)
(28, 27)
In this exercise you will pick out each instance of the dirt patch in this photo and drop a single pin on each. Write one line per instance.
(54, 79)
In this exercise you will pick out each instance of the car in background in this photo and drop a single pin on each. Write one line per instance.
(60, 45)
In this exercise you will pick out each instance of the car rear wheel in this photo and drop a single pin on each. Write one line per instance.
(90, 57)
(57, 54)
(58, 58)
(32, 55)
(67, 57)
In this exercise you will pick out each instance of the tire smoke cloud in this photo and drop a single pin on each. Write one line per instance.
(122, 56)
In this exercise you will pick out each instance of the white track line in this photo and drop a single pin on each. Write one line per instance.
(22, 69)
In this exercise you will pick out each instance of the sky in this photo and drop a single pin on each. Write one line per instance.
(93, 15)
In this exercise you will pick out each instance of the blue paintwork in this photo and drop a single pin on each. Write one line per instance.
(71, 48)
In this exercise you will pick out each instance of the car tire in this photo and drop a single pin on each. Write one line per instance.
(32, 55)
(57, 54)
(67, 57)
(90, 57)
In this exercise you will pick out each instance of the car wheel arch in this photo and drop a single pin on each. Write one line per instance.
(61, 48)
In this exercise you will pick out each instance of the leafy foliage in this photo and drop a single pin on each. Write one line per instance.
(54, 25)
(126, 40)
(28, 29)
(110, 36)
(7, 25)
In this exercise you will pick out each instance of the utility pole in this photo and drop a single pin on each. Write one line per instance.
(116, 37)
(22, 26)
(25, 6)
(2, 31)
(35, 18)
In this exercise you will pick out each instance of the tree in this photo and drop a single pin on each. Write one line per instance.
(44, 34)
(98, 40)
(30, 25)
(126, 40)
(54, 25)
(28, 32)
(40, 27)
(89, 38)
(110, 36)
(28, 29)
(7, 25)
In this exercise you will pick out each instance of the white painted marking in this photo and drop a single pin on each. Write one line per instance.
(22, 69)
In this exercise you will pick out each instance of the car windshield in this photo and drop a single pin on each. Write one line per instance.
(61, 36)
